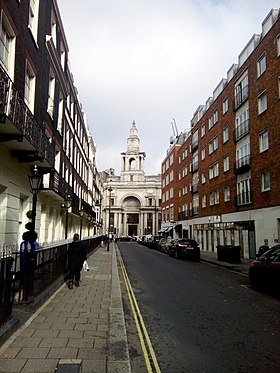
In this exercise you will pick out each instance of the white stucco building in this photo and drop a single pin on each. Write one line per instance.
(132, 199)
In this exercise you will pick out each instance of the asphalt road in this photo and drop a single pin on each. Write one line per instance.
(200, 317)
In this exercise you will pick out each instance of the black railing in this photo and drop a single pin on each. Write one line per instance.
(14, 107)
(194, 166)
(241, 97)
(242, 130)
(243, 164)
(19, 287)
(194, 145)
(244, 198)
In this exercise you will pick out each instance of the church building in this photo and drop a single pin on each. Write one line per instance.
(132, 201)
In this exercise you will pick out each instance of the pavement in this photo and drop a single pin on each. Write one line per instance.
(81, 330)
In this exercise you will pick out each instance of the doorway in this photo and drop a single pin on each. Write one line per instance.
(132, 230)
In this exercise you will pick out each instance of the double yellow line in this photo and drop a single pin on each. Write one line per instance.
(148, 351)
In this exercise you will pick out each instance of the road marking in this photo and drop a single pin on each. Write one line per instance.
(148, 351)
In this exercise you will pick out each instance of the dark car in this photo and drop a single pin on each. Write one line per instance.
(264, 272)
(185, 248)
(164, 244)
(154, 243)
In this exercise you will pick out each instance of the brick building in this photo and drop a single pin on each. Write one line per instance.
(42, 125)
(228, 165)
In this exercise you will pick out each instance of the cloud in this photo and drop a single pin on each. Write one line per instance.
(152, 61)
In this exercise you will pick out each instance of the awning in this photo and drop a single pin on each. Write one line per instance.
(162, 230)
(169, 229)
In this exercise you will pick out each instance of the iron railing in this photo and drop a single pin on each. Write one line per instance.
(21, 287)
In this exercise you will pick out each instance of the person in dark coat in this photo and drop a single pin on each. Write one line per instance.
(76, 256)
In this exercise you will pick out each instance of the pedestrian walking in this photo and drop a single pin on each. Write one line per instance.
(76, 256)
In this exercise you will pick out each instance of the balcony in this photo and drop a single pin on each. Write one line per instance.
(194, 145)
(195, 188)
(244, 198)
(242, 130)
(242, 164)
(194, 166)
(18, 127)
(241, 97)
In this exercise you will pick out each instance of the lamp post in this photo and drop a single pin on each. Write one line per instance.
(67, 205)
(109, 226)
(35, 182)
(81, 222)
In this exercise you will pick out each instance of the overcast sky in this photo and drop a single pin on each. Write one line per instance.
(152, 61)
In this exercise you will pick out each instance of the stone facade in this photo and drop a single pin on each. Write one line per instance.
(132, 199)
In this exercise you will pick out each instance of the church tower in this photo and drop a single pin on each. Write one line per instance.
(132, 161)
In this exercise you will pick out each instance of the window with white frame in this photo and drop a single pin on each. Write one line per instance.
(171, 159)
(216, 197)
(203, 154)
(203, 201)
(278, 45)
(211, 172)
(180, 158)
(264, 145)
(33, 17)
(265, 181)
(203, 177)
(203, 130)
(29, 89)
(167, 195)
(212, 198)
(244, 191)
(225, 134)
(226, 163)
(227, 194)
(216, 169)
(7, 45)
(171, 175)
(210, 150)
(262, 102)
(171, 192)
(210, 122)
(215, 117)
(261, 65)
(215, 143)
(51, 93)
(225, 105)
(180, 175)
(60, 115)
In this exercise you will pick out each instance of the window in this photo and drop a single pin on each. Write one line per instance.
(203, 130)
(203, 202)
(33, 17)
(211, 147)
(212, 198)
(265, 181)
(262, 103)
(215, 143)
(51, 93)
(203, 153)
(215, 117)
(203, 177)
(264, 141)
(211, 172)
(244, 192)
(241, 91)
(216, 197)
(261, 64)
(227, 194)
(278, 45)
(216, 169)
(210, 122)
(225, 105)
(29, 90)
(7, 46)
(226, 163)
(225, 134)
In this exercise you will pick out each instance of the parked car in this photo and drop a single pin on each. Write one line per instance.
(182, 248)
(164, 244)
(154, 243)
(264, 271)
(125, 238)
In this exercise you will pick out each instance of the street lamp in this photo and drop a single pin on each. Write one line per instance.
(35, 182)
(67, 205)
(109, 226)
(81, 222)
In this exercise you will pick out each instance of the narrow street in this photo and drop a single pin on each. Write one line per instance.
(200, 317)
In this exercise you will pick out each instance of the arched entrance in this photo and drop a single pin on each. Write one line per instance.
(131, 208)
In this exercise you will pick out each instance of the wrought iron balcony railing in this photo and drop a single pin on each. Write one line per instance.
(12, 105)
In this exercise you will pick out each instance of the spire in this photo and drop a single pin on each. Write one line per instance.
(133, 142)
